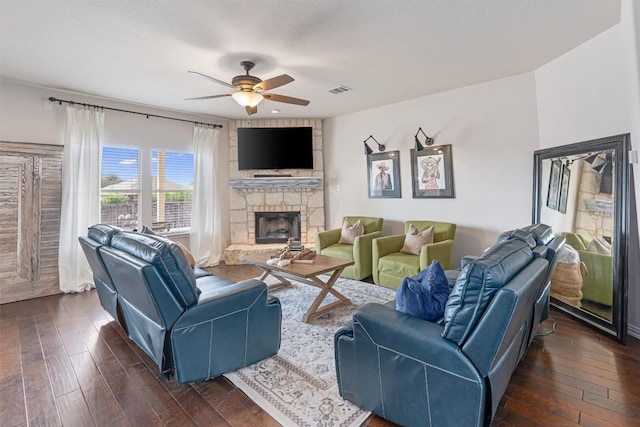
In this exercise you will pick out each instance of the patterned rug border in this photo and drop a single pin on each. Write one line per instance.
(280, 412)
(271, 402)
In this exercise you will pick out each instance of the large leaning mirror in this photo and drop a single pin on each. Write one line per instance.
(582, 191)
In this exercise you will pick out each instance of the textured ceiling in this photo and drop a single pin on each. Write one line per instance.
(386, 51)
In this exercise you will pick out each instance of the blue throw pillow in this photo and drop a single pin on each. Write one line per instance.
(424, 295)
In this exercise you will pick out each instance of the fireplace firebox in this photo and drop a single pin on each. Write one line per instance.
(277, 227)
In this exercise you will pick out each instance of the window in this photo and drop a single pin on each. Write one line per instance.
(172, 186)
(156, 193)
(120, 187)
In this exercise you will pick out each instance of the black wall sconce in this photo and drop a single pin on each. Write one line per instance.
(592, 159)
(427, 140)
(368, 150)
(597, 163)
(600, 168)
(595, 160)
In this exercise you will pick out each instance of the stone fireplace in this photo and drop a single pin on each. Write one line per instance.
(273, 192)
(277, 227)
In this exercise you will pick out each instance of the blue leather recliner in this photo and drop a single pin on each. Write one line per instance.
(455, 371)
(193, 328)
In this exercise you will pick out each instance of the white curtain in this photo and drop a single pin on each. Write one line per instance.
(206, 238)
(80, 194)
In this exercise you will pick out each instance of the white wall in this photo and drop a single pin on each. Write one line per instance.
(592, 92)
(492, 129)
(26, 115)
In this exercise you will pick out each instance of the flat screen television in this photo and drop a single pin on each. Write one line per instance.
(275, 148)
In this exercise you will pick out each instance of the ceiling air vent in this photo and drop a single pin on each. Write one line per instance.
(340, 89)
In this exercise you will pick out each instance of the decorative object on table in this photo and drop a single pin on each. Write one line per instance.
(432, 172)
(304, 254)
(383, 172)
(298, 385)
(294, 245)
(293, 251)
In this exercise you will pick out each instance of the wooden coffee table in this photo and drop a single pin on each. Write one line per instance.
(307, 274)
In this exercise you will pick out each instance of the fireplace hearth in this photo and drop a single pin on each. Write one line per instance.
(277, 227)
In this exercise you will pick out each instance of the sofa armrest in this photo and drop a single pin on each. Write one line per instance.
(327, 238)
(387, 245)
(597, 283)
(362, 247)
(467, 259)
(362, 244)
(383, 246)
(411, 337)
(599, 266)
(199, 272)
(386, 351)
(230, 327)
(441, 251)
(220, 301)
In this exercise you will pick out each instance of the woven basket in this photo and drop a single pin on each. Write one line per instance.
(566, 282)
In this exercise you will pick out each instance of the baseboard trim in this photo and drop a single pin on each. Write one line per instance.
(634, 331)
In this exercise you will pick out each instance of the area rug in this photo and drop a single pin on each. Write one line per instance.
(298, 386)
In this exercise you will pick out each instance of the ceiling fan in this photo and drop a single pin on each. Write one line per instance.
(250, 89)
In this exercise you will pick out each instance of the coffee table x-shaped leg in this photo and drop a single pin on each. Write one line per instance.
(315, 309)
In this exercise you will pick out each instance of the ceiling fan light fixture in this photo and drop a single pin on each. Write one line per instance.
(248, 88)
(247, 99)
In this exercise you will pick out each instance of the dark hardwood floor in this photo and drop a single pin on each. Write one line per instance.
(64, 361)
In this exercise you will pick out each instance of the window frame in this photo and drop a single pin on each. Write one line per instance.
(140, 192)
(176, 231)
(145, 183)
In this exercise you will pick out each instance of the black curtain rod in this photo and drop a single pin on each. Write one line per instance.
(60, 101)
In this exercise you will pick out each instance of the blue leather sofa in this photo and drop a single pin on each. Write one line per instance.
(455, 371)
(193, 328)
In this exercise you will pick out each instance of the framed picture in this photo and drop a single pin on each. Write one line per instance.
(564, 188)
(432, 172)
(383, 170)
(553, 194)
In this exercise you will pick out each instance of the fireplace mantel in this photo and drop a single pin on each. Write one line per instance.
(275, 182)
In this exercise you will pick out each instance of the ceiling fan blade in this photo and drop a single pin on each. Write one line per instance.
(212, 79)
(286, 99)
(274, 82)
(251, 110)
(207, 97)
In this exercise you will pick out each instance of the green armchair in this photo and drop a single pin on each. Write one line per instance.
(391, 266)
(359, 252)
(597, 280)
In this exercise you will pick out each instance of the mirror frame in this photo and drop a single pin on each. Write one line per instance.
(620, 145)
